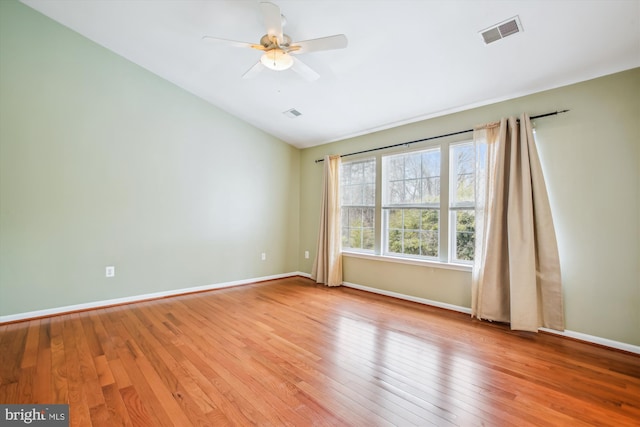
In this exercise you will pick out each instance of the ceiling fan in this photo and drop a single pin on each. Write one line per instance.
(278, 48)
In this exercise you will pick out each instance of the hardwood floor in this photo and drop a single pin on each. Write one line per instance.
(289, 352)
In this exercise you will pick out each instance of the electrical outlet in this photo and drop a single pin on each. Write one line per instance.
(110, 271)
(264, 256)
(306, 254)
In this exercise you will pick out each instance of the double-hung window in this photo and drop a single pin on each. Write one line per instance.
(411, 203)
(358, 199)
(462, 202)
(425, 203)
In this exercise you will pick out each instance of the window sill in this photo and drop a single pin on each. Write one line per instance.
(422, 263)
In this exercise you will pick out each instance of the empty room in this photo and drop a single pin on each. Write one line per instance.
(309, 213)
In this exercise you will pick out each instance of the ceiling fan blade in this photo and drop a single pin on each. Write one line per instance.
(253, 71)
(304, 70)
(339, 41)
(272, 19)
(234, 43)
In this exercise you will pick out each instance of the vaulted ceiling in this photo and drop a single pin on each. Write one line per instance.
(405, 60)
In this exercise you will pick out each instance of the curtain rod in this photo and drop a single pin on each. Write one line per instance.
(553, 113)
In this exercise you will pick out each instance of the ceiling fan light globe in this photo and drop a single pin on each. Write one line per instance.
(277, 60)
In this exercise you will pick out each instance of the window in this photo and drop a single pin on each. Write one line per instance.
(462, 202)
(425, 204)
(358, 199)
(411, 203)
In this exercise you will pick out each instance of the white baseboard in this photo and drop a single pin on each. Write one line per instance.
(569, 334)
(596, 340)
(135, 298)
(409, 298)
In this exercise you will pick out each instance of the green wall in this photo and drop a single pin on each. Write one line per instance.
(103, 163)
(591, 160)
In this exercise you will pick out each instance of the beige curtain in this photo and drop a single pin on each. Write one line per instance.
(516, 274)
(327, 267)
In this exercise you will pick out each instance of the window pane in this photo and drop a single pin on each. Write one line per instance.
(369, 196)
(462, 184)
(355, 238)
(345, 195)
(412, 166)
(465, 235)
(368, 217)
(345, 237)
(430, 220)
(431, 163)
(412, 178)
(370, 172)
(395, 219)
(413, 232)
(429, 243)
(462, 173)
(357, 187)
(431, 190)
(411, 191)
(411, 243)
(430, 235)
(356, 171)
(396, 192)
(344, 174)
(356, 194)
(412, 219)
(465, 188)
(368, 239)
(355, 217)
(395, 241)
(395, 168)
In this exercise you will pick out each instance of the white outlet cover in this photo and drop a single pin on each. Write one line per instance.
(110, 271)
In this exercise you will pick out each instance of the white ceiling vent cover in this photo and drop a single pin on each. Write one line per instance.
(499, 31)
(292, 113)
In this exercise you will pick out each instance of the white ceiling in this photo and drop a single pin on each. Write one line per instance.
(406, 60)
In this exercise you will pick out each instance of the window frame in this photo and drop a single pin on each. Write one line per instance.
(358, 206)
(446, 258)
(388, 205)
(457, 206)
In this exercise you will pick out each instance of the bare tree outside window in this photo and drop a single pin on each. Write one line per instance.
(413, 208)
(462, 201)
(358, 194)
(411, 203)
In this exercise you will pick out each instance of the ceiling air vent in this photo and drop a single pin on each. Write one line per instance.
(292, 113)
(499, 31)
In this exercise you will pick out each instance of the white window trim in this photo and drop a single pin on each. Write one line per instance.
(409, 261)
(445, 261)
